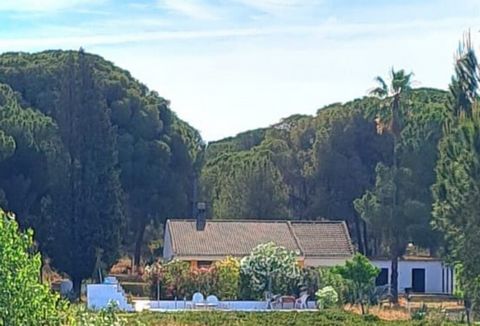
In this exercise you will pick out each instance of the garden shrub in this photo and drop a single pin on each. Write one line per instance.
(360, 274)
(310, 280)
(23, 299)
(177, 279)
(153, 274)
(419, 314)
(326, 297)
(327, 277)
(174, 279)
(228, 278)
(203, 280)
(270, 268)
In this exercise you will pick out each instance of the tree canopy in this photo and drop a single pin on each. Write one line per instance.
(73, 124)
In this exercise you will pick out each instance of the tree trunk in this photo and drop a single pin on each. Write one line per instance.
(394, 279)
(358, 233)
(368, 252)
(468, 308)
(77, 287)
(138, 244)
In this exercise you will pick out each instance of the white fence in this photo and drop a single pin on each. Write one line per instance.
(165, 305)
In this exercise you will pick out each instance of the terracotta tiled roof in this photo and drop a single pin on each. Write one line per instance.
(220, 238)
(319, 239)
(238, 238)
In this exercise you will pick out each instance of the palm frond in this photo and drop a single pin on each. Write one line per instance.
(381, 90)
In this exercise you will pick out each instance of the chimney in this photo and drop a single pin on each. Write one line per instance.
(201, 216)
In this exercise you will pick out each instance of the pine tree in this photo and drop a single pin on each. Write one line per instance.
(88, 207)
(456, 211)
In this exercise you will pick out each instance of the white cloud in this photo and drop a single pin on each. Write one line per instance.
(191, 8)
(41, 5)
(233, 85)
(276, 7)
(255, 74)
(115, 34)
(7, 44)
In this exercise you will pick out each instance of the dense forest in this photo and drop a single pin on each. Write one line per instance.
(89, 157)
(314, 167)
(92, 160)
(400, 166)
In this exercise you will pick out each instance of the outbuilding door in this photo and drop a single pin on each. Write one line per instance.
(418, 280)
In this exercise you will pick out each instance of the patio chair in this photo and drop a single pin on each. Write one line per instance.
(276, 301)
(272, 300)
(198, 300)
(382, 295)
(302, 301)
(212, 301)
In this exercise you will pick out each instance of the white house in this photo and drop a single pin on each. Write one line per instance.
(418, 273)
(201, 242)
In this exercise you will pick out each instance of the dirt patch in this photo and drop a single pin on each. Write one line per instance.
(384, 313)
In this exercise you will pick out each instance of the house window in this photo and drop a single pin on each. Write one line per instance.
(382, 278)
(204, 264)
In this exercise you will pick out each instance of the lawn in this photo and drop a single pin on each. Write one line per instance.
(212, 318)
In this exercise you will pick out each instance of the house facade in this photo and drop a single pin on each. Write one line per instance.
(316, 243)
(418, 273)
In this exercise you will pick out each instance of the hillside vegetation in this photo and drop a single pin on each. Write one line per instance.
(314, 167)
(93, 161)
(89, 157)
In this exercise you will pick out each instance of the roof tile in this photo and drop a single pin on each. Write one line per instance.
(238, 238)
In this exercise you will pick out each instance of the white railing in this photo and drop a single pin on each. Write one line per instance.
(163, 305)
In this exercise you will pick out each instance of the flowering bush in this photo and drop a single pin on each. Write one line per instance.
(174, 279)
(228, 278)
(204, 280)
(326, 297)
(329, 277)
(270, 268)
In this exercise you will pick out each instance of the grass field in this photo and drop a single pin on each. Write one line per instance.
(213, 318)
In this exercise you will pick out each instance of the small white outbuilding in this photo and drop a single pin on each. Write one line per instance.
(100, 296)
(418, 273)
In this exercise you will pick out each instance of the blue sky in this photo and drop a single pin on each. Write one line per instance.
(232, 65)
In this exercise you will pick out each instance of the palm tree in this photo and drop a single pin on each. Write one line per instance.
(464, 85)
(391, 121)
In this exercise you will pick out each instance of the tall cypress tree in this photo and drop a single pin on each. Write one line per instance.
(456, 211)
(88, 211)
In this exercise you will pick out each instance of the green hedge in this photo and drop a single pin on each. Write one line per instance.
(137, 289)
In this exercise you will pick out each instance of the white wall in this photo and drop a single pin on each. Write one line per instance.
(231, 305)
(434, 281)
(325, 262)
(99, 296)
(167, 245)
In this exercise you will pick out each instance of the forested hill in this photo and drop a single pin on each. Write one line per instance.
(310, 167)
(89, 156)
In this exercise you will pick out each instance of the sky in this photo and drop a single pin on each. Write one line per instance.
(232, 65)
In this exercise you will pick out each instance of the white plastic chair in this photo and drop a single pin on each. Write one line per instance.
(212, 301)
(302, 301)
(110, 280)
(198, 300)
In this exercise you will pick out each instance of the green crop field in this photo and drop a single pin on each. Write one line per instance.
(212, 318)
